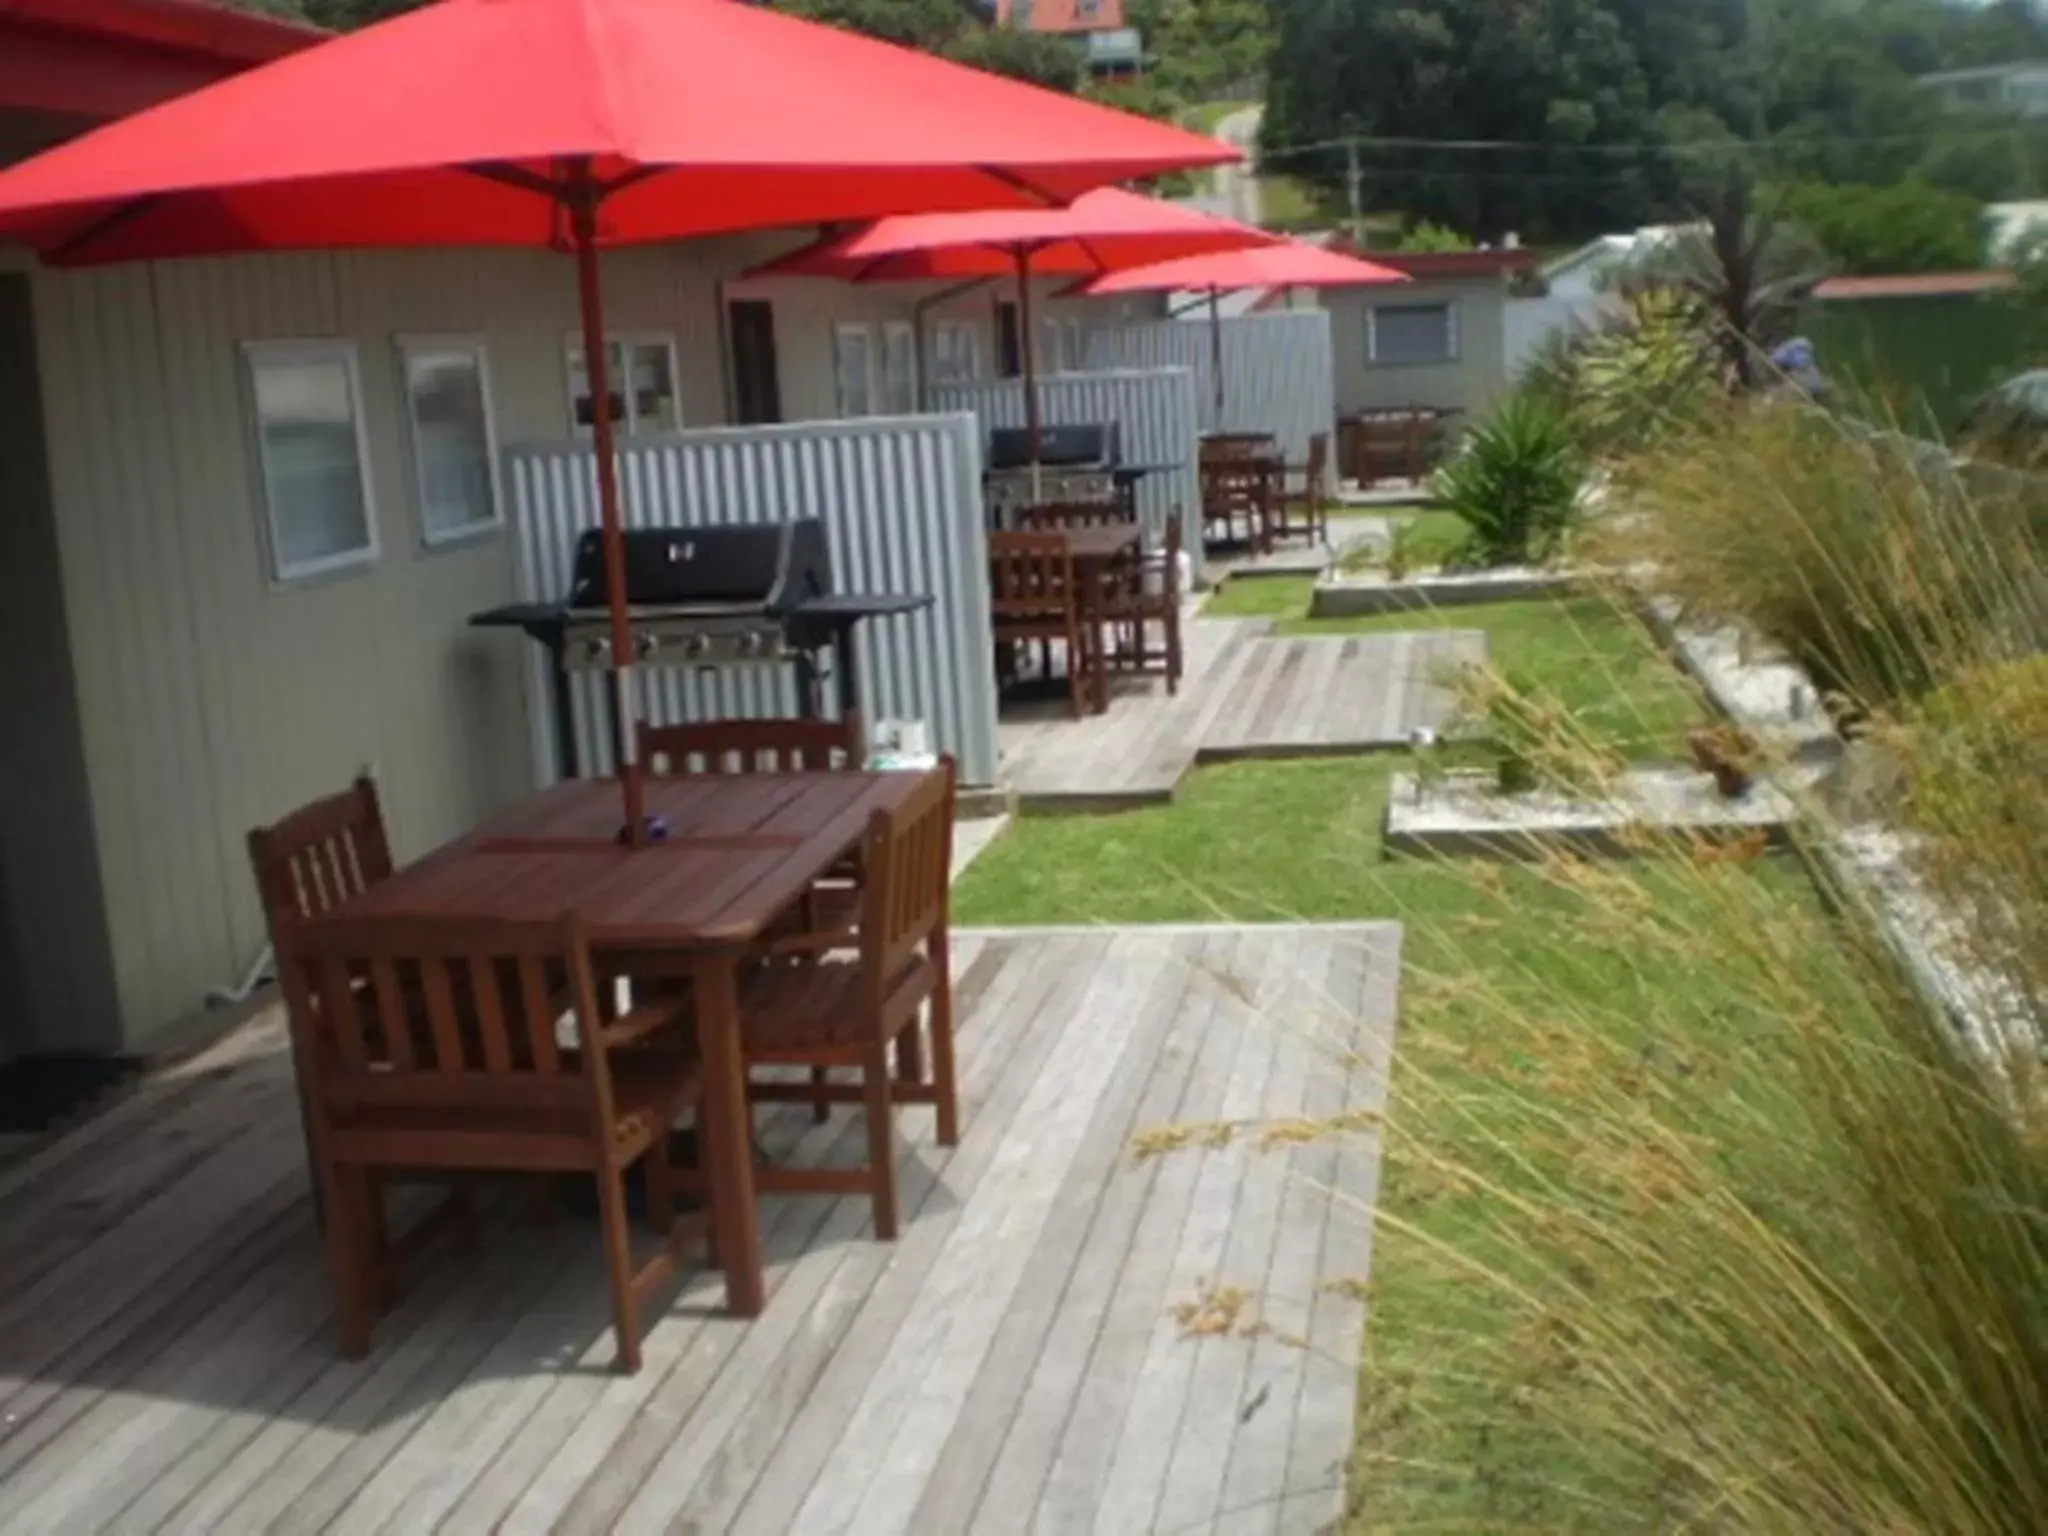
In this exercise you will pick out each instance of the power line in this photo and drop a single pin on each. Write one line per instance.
(1791, 138)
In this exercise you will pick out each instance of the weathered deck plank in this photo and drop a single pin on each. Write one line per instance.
(1247, 694)
(1011, 1362)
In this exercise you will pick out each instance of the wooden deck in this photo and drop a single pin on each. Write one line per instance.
(1247, 694)
(167, 1358)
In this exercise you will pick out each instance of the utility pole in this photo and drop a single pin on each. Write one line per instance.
(1354, 185)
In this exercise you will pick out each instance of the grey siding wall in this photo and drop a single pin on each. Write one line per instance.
(55, 973)
(1155, 409)
(1474, 381)
(211, 700)
(901, 501)
(1278, 370)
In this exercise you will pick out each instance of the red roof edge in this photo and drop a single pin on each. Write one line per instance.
(1915, 285)
(1442, 264)
(195, 27)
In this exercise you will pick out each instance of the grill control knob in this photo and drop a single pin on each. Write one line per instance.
(646, 645)
(597, 651)
(696, 645)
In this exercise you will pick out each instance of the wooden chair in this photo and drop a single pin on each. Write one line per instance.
(753, 746)
(308, 864)
(1152, 598)
(321, 854)
(823, 1008)
(1033, 595)
(1304, 511)
(721, 747)
(1057, 517)
(471, 1078)
(1235, 489)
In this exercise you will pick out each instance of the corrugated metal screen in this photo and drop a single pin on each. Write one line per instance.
(1279, 370)
(1157, 419)
(901, 501)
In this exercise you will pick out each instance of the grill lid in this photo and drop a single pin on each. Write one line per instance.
(768, 567)
(1010, 447)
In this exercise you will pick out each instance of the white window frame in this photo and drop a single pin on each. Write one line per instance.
(962, 352)
(1453, 341)
(841, 331)
(903, 334)
(627, 341)
(475, 346)
(258, 354)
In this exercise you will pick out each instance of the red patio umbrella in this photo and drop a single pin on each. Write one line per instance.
(1101, 232)
(574, 124)
(1286, 264)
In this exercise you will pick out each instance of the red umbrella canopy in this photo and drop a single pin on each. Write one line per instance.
(1288, 264)
(1100, 232)
(694, 117)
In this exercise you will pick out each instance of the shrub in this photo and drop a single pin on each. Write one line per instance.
(1515, 483)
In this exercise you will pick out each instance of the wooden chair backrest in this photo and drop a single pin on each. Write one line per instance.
(425, 1014)
(908, 856)
(320, 855)
(752, 746)
(1237, 483)
(1031, 575)
(1058, 516)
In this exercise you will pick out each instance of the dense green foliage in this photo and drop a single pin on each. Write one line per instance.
(1515, 483)
(1602, 114)
(1908, 226)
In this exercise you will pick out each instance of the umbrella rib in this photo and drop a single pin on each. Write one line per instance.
(1015, 182)
(112, 219)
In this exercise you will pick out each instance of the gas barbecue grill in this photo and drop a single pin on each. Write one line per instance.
(707, 598)
(1075, 463)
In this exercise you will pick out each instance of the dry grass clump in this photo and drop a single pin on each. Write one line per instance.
(1700, 1213)
(1698, 1219)
(1868, 557)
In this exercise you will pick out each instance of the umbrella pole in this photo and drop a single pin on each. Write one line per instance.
(582, 202)
(1028, 356)
(1216, 348)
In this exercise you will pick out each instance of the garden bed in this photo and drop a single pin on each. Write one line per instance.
(1465, 815)
(1362, 594)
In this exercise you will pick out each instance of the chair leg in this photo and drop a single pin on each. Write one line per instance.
(618, 1258)
(821, 1111)
(881, 1141)
(945, 1082)
(345, 1201)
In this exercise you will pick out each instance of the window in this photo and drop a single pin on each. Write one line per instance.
(642, 375)
(899, 369)
(1397, 334)
(308, 401)
(956, 352)
(1061, 350)
(853, 368)
(454, 445)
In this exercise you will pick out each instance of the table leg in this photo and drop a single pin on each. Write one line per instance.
(728, 1149)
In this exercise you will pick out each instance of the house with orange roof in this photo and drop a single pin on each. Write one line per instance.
(1111, 45)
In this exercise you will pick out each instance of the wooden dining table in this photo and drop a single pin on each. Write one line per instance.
(738, 853)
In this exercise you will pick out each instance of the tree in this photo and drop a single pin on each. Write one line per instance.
(1906, 227)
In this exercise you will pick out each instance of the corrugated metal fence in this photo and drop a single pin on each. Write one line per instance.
(901, 501)
(1279, 370)
(1156, 413)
